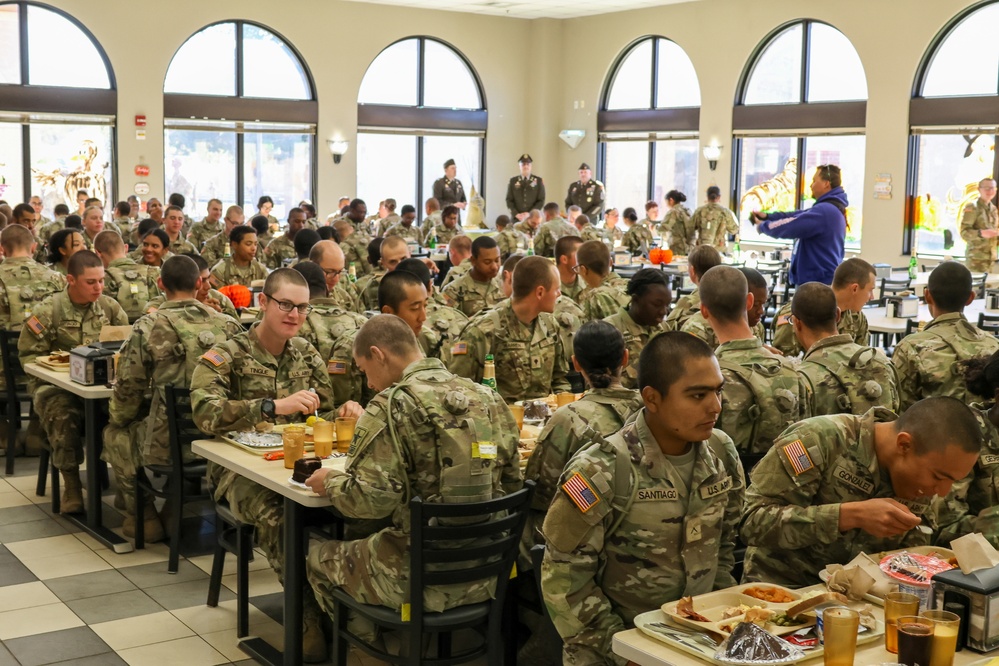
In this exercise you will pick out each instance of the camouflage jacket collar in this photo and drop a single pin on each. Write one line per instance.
(18, 260)
(831, 341)
(865, 452)
(631, 326)
(742, 343)
(641, 441)
(251, 343)
(187, 303)
(123, 262)
(327, 304)
(606, 396)
(423, 365)
(944, 318)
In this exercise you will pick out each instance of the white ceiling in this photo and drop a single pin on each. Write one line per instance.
(558, 9)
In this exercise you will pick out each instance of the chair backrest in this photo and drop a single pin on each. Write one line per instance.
(988, 323)
(180, 423)
(463, 553)
(911, 326)
(889, 286)
(12, 370)
(978, 284)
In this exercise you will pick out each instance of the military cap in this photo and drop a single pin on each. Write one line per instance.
(584, 165)
(525, 159)
(449, 163)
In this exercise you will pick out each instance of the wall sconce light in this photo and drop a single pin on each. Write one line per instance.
(711, 154)
(337, 148)
(572, 138)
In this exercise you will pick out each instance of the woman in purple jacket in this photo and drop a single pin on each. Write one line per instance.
(820, 230)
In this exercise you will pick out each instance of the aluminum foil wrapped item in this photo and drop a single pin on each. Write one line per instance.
(749, 644)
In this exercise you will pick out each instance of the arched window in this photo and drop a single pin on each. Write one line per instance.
(954, 114)
(240, 120)
(648, 124)
(794, 112)
(56, 121)
(420, 104)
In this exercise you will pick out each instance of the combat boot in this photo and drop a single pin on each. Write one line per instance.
(72, 496)
(314, 647)
(152, 526)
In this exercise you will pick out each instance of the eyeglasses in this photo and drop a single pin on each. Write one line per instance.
(575, 269)
(791, 319)
(288, 306)
(332, 272)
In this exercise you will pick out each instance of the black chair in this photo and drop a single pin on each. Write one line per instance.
(15, 395)
(434, 560)
(890, 287)
(234, 537)
(978, 284)
(988, 323)
(548, 627)
(179, 475)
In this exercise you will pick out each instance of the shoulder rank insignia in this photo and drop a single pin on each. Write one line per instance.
(579, 491)
(798, 457)
(34, 325)
(214, 358)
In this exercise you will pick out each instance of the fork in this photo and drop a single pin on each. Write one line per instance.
(697, 636)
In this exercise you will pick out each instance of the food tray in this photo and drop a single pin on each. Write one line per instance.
(258, 443)
(714, 604)
(942, 553)
(58, 367)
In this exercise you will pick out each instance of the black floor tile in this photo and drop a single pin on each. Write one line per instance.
(34, 529)
(271, 605)
(57, 646)
(22, 514)
(108, 607)
(185, 595)
(107, 659)
(12, 572)
(6, 658)
(88, 585)
(147, 576)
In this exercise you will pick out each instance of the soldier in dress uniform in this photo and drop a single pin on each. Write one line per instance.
(448, 190)
(980, 228)
(586, 193)
(525, 192)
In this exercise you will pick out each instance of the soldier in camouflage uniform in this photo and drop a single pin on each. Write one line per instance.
(459, 255)
(210, 226)
(329, 256)
(565, 260)
(354, 244)
(207, 296)
(428, 229)
(530, 225)
(120, 220)
(835, 486)
(281, 251)
(843, 377)
(508, 238)
(442, 325)
(569, 318)
(853, 283)
(713, 223)
(63, 321)
(699, 326)
(586, 193)
(601, 298)
(393, 250)
(925, 361)
(131, 284)
(386, 219)
(638, 238)
(640, 516)
(478, 289)
(586, 230)
(137, 431)
(217, 248)
(525, 192)
(676, 224)
(449, 227)
(241, 383)
(549, 233)
(405, 227)
(396, 455)
(241, 267)
(702, 258)
(642, 319)
(522, 336)
(980, 227)
(173, 224)
(763, 394)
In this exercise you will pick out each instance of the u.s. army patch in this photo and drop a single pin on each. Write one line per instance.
(214, 358)
(459, 348)
(34, 325)
(798, 457)
(716, 488)
(580, 492)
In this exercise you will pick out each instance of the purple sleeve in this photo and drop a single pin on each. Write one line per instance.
(799, 224)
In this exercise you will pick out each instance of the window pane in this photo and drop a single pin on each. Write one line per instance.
(767, 178)
(626, 175)
(632, 84)
(386, 168)
(845, 81)
(205, 64)
(946, 180)
(391, 78)
(676, 169)
(67, 158)
(447, 81)
(677, 80)
(967, 62)
(60, 54)
(466, 151)
(201, 165)
(10, 37)
(280, 166)
(270, 67)
(847, 152)
(776, 76)
(12, 169)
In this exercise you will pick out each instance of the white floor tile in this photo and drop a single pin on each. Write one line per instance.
(204, 562)
(63, 544)
(204, 619)
(143, 630)
(11, 497)
(37, 620)
(153, 553)
(26, 595)
(227, 643)
(264, 581)
(188, 651)
(58, 566)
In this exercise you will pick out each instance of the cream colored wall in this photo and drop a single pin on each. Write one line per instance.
(533, 72)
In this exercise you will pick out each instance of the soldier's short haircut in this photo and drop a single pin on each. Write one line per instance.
(483, 243)
(649, 205)
(502, 221)
(537, 214)
(461, 244)
(417, 268)
(388, 333)
(145, 226)
(122, 208)
(551, 207)
(392, 288)
(81, 261)
(375, 251)
(63, 209)
(281, 277)
(320, 249)
(644, 279)
(598, 347)
(93, 201)
(342, 225)
(723, 292)
(314, 277)
(853, 271)
(703, 258)
(449, 211)
(329, 233)
(234, 210)
(566, 245)
(390, 204)
(109, 242)
(511, 262)
(173, 208)
(3, 219)
(22, 209)
(199, 261)
(582, 218)
(295, 211)
(177, 199)
(310, 210)
(355, 203)
(393, 243)
(950, 286)
(574, 209)
(986, 180)
(755, 278)
(663, 360)
(831, 174)
(432, 204)
(211, 201)
(259, 223)
(936, 423)
(179, 274)
(239, 233)
(16, 238)
(981, 374)
(408, 208)
(304, 241)
(531, 273)
(814, 304)
(74, 221)
(594, 255)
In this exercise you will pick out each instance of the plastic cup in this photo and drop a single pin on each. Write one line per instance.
(915, 640)
(897, 604)
(518, 415)
(293, 439)
(946, 626)
(839, 627)
(564, 398)
(344, 433)
(323, 438)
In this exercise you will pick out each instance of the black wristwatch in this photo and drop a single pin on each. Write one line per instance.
(267, 409)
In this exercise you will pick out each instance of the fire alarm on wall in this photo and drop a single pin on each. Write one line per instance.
(140, 121)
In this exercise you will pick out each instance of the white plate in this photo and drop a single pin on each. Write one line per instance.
(295, 484)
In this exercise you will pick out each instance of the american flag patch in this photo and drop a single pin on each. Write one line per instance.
(335, 367)
(35, 325)
(459, 348)
(214, 358)
(579, 491)
(781, 320)
(798, 457)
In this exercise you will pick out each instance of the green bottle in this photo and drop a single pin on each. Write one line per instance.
(433, 242)
(489, 373)
(352, 272)
(913, 269)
